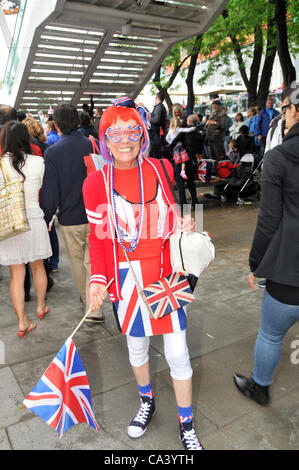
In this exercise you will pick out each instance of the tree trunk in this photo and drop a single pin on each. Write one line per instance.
(157, 82)
(269, 59)
(288, 70)
(191, 71)
(257, 97)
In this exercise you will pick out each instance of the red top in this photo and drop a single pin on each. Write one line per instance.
(103, 246)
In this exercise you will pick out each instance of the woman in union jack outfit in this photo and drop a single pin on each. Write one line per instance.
(129, 206)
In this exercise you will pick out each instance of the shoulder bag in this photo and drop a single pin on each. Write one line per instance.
(13, 220)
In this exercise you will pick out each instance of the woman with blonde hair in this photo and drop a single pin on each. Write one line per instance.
(36, 132)
(180, 155)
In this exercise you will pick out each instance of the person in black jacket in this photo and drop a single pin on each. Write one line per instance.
(274, 253)
(65, 172)
(245, 142)
(193, 143)
(85, 125)
(158, 122)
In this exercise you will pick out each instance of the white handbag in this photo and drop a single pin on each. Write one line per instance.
(191, 253)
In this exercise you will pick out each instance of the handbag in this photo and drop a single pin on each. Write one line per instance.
(164, 296)
(13, 220)
(191, 252)
(94, 161)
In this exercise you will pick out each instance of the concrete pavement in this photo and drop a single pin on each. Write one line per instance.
(222, 327)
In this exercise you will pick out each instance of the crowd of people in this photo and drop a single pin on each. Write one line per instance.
(49, 159)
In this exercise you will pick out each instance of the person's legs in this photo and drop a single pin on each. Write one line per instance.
(262, 146)
(276, 319)
(177, 355)
(190, 183)
(180, 184)
(75, 242)
(17, 294)
(54, 260)
(27, 283)
(96, 316)
(139, 360)
(40, 282)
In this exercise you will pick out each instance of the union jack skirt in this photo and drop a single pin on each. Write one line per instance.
(132, 313)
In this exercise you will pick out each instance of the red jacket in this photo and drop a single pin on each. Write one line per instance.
(102, 240)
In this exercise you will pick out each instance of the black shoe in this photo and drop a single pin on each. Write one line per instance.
(139, 424)
(188, 436)
(27, 298)
(50, 284)
(252, 390)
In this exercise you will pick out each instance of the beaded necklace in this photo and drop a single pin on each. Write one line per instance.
(133, 243)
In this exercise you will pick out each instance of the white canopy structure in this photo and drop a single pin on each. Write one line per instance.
(68, 50)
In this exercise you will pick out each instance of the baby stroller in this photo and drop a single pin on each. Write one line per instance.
(243, 183)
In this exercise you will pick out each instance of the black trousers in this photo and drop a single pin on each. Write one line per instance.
(180, 182)
(156, 146)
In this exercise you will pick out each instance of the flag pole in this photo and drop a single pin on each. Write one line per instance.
(89, 311)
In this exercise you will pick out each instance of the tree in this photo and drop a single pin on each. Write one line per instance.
(288, 69)
(247, 30)
(197, 41)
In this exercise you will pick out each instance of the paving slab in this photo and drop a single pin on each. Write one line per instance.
(11, 398)
(212, 326)
(105, 361)
(275, 427)
(4, 442)
(114, 411)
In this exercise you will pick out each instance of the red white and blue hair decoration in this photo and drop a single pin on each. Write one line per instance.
(126, 109)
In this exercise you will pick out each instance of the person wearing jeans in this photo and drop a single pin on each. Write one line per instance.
(274, 253)
(276, 319)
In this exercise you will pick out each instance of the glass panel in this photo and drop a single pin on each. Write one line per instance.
(14, 56)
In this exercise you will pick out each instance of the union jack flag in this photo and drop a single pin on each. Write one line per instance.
(168, 294)
(62, 396)
(204, 170)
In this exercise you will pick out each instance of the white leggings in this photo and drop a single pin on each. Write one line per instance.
(175, 351)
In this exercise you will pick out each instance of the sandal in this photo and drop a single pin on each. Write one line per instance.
(31, 327)
(42, 315)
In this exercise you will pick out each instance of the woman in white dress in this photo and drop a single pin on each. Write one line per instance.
(32, 246)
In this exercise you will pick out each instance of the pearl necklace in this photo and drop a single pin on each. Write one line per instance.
(133, 243)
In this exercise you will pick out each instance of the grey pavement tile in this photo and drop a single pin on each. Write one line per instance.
(275, 427)
(27, 436)
(116, 409)
(4, 442)
(11, 398)
(212, 326)
(113, 411)
(49, 336)
(221, 286)
(105, 361)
